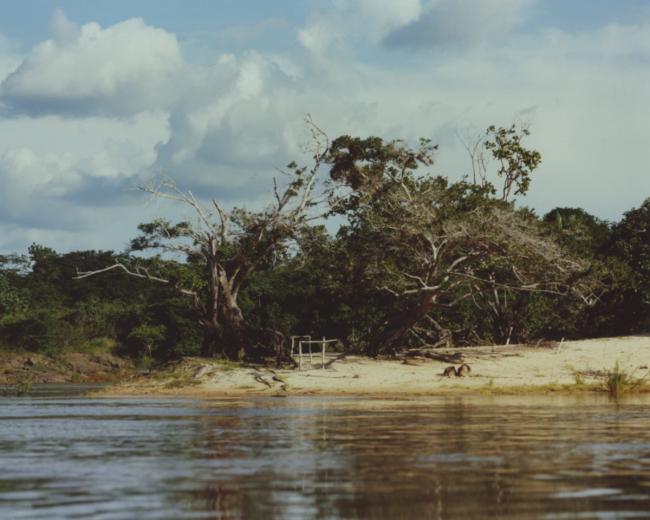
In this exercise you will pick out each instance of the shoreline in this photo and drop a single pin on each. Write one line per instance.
(573, 367)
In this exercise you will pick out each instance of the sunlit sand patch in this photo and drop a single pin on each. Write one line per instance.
(578, 365)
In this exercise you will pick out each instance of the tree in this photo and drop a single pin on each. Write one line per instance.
(581, 232)
(628, 256)
(514, 162)
(428, 244)
(315, 290)
(145, 337)
(13, 296)
(227, 247)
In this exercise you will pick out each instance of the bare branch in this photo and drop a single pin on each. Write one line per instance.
(535, 287)
(140, 272)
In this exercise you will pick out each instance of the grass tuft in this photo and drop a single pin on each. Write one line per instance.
(579, 379)
(23, 386)
(619, 381)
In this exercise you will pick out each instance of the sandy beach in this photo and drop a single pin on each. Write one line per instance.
(569, 366)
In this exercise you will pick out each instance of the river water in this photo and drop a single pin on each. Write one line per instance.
(63, 455)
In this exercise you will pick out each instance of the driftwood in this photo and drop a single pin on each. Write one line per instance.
(455, 357)
(260, 379)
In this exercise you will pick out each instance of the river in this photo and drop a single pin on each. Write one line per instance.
(64, 455)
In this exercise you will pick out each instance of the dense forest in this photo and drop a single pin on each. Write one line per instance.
(416, 259)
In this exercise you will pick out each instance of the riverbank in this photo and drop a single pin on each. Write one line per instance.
(64, 367)
(575, 366)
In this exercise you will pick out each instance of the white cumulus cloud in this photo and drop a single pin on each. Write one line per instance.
(120, 70)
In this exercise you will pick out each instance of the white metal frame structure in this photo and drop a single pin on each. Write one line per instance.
(322, 342)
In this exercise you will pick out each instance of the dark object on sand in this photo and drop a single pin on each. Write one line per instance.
(449, 372)
(463, 370)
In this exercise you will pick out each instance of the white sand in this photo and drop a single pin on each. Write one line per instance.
(513, 368)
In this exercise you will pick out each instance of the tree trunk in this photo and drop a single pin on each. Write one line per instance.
(227, 332)
(399, 325)
(235, 334)
(222, 317)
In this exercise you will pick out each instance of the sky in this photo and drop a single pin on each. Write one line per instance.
(99, 97)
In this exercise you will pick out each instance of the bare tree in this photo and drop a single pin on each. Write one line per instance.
(474, 144)
(229, 246)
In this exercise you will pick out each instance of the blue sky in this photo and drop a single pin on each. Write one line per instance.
(98, 96)
(27, 22)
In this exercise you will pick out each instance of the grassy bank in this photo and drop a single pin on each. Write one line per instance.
(24, 368)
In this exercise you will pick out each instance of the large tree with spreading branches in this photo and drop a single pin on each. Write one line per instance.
(228, 246)
(428, 244)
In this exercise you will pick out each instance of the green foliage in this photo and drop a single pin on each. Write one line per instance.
(146, 338)
(515, 162)
(42, 309)
(23, 386)
(576, 229)
(631, 245)
(624, 307)
(12, 299)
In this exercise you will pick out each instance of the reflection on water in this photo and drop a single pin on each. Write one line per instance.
(67, 456)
